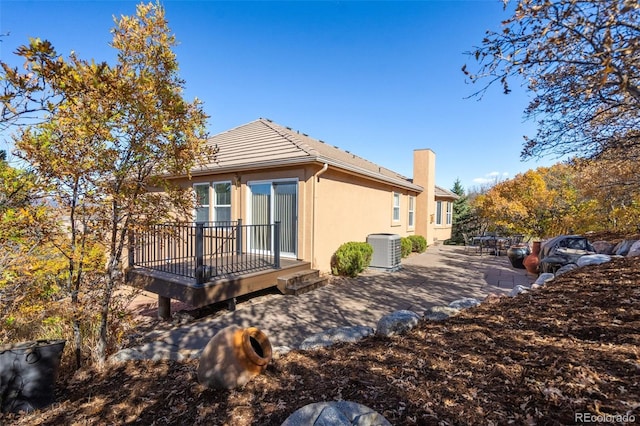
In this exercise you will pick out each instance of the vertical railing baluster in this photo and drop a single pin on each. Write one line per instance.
(205, 250)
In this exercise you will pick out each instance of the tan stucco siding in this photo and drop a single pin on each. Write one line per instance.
(442, 231)
(336, 208)
(348, 208)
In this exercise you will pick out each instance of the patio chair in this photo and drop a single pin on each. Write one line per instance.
(502, 245)
(516, 239)
(469, 243)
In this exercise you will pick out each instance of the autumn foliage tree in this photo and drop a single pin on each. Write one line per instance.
(104, 150)
(539, 203)
(581, 61)
(561, 199)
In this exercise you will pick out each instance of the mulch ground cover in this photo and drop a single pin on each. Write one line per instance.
(553, 356)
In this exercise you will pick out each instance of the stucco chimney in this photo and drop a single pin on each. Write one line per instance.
(424, 174)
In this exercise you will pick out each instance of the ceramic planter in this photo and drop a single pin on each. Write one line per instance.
(532, 261)
(516, 255)
(233, 356)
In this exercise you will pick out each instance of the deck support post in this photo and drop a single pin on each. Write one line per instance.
(131, 259)
(199, 272)
(276, 244)
(239, 237)
(164, 308)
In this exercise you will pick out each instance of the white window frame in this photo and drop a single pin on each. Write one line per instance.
(449, 212)
(438, 212)
(411, 220)
(200, 206)
(395, 211)
(212, 208)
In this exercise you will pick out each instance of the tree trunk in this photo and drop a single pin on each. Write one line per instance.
(112, 279)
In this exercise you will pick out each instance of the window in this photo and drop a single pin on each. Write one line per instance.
(411, 222)
(448, 212)
(202, 200)
(396, 207)
(222, 202)
(221, 211)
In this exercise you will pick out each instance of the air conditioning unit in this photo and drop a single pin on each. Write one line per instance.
(387, 251)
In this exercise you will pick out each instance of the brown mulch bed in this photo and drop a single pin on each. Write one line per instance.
(539, 358)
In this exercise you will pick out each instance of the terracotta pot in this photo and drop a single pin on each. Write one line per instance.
(28, 373)
(517, 253)
(233, 356)
(531, 262)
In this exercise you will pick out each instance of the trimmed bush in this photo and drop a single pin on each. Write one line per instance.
(406, 246)
(351, 258)
(418, 242)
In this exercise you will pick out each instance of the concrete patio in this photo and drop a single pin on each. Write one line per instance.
(436, 277)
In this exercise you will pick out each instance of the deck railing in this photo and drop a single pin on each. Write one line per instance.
(206, 250)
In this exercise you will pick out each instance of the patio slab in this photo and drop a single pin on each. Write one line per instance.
(438, 276)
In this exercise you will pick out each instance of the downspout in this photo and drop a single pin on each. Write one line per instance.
(313, 224)
(321, 171)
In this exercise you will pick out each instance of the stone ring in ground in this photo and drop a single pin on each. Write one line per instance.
(335, 413)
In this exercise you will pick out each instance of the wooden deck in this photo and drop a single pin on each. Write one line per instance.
(169, 286)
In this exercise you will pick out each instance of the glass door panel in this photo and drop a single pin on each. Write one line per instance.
(260, 236)
(271, 202)
(285, 210)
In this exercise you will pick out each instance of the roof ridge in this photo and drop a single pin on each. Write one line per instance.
(290, 136)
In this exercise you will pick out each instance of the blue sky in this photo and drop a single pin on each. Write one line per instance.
(378, 79)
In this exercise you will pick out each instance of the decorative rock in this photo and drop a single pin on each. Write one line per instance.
(464, 303)
(593, 259)
(603, 247)
(634, 250)
(492, 298)
(566, 268)
(397, 323)
(335, 413)
(155, 351)
(535, 286)
(440, 313)
(336, 335)
(623, 247)
(544, 278)
(517, 290)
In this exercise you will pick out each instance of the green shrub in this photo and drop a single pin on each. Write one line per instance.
(418, 242)
(406, 246)
(351, 258)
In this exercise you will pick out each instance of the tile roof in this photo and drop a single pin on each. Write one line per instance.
(445, 193)
(263, 143)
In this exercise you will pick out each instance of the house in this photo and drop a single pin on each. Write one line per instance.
(320, 196)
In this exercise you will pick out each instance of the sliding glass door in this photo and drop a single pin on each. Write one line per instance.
(274, 202)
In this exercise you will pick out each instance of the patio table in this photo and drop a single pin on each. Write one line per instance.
(492, 242)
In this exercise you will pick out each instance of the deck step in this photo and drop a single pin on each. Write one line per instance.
(301, 282)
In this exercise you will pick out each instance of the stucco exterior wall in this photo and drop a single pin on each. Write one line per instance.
(334, 209)
(441, 233)
(348, 208)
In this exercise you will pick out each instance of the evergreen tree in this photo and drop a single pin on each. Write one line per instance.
(463, 216)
